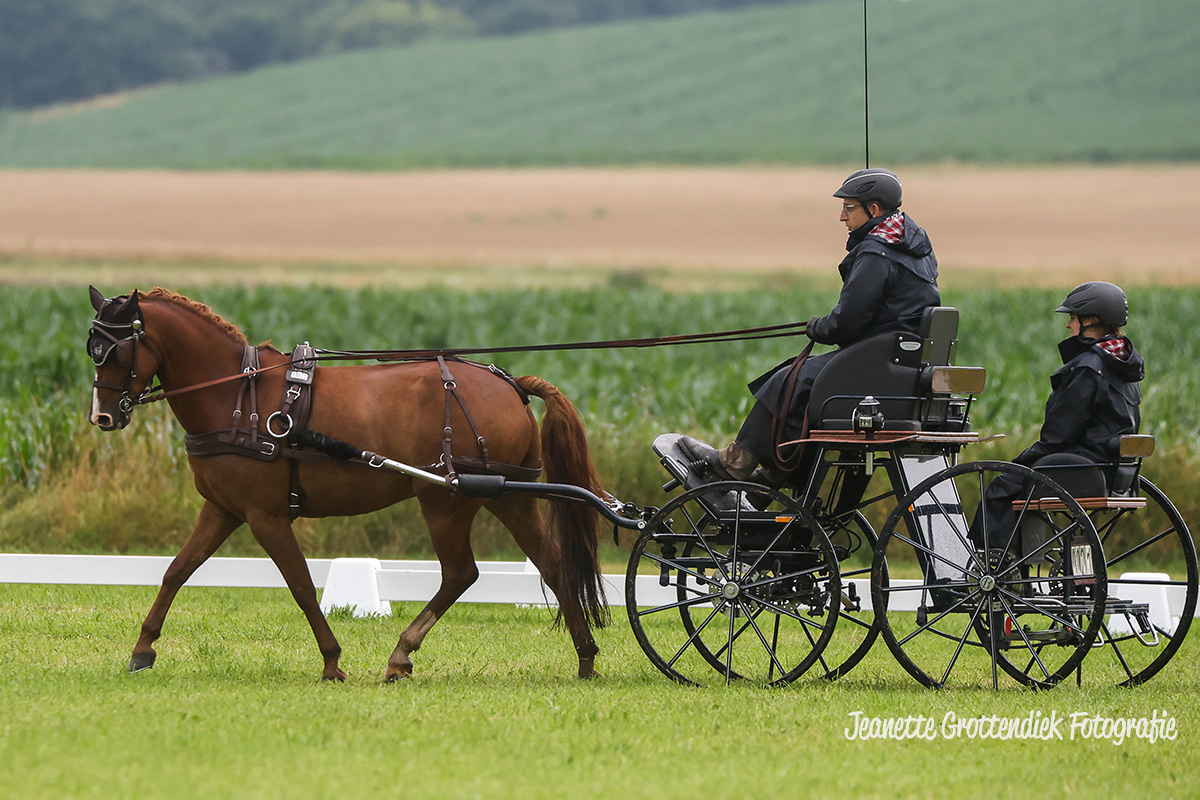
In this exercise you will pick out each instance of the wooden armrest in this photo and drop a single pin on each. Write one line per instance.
(1087, 503)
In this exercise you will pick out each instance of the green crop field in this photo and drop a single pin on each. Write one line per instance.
(70, 488)
(233, 709)
(1070, 80)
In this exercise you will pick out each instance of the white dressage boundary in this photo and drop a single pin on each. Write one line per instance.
(369, 586)
(366, 585)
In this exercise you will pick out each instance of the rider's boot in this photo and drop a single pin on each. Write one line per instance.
(734, 463)
(768, 476)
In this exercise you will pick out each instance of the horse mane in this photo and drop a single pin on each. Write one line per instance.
(203, 311)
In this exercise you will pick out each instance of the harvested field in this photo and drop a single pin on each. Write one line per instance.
(1047, 226)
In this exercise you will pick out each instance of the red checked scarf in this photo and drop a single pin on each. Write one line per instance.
(891, 230)
(1116, 347)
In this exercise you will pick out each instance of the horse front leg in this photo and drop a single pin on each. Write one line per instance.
(274, 532)
(212, 528)
(449, 521)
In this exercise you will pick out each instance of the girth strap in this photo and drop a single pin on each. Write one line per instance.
(250, 381)
(294, 410)
(448, 431)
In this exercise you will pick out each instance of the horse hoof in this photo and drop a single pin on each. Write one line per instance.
(141, 661)
(339, 678)
(397, 675)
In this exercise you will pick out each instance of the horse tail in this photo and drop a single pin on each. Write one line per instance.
(574, 524)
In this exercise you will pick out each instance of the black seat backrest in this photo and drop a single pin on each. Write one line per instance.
(888, 367)
(939, 329)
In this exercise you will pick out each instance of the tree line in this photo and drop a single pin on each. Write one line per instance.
(58, 50)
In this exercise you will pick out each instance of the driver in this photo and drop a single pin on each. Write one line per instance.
(889, 277)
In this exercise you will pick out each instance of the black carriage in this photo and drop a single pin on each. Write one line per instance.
(738, 581)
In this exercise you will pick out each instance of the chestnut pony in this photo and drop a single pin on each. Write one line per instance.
(397, 410)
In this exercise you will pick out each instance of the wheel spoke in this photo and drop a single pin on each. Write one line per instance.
(1066, 623)
(703, 597)
(1112, 642)
(699, 576)
(1135, 550)
(1034, 652)
(961, 643)
(704, 542)
(716, 610)
(929, 624)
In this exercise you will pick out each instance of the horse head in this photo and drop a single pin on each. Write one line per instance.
(125, 361)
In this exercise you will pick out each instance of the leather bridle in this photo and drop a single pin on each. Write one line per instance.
(106, 338)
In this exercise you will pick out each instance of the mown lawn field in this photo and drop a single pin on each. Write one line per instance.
(234, 709)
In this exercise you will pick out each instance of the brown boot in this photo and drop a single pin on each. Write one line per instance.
(734, 463)
(737, 462)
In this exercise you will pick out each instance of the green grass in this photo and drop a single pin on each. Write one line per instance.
(1072, 80)
(233, 709)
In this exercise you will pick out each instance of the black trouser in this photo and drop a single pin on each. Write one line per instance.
(755, 434)
(996, 507)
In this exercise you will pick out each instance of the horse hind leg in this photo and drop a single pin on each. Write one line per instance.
(521, 516)
(449, 521)
(213, 527)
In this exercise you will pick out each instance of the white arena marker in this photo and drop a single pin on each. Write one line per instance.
(353, 583)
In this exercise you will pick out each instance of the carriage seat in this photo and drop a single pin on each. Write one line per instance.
(1096, 486)
(900, 371)
(1083, 477)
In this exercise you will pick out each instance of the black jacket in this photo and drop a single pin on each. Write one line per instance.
(1095, 397)
(888, 280)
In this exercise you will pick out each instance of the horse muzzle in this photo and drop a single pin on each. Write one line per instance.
(106, 417)
(105, 422)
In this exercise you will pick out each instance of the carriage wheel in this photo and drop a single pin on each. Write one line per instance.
(1025, 596)
(853, 541)
(1150, 558)
(734, 579)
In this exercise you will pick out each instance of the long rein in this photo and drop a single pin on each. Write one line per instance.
(744, 334)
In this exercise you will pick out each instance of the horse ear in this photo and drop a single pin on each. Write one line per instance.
(97, 298)
(128, 310)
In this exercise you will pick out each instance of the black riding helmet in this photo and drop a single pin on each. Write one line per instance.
(874, 185)
(1098, 299)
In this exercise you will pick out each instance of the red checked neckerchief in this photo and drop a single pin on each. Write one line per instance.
(1116, 348)
(891, 230)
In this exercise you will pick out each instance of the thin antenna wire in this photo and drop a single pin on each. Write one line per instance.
(866, 96)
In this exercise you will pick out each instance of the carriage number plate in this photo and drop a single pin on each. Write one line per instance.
(1081, 562)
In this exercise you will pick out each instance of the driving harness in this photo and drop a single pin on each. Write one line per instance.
(283, 426)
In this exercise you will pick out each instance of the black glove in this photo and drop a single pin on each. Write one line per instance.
(808, 329)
